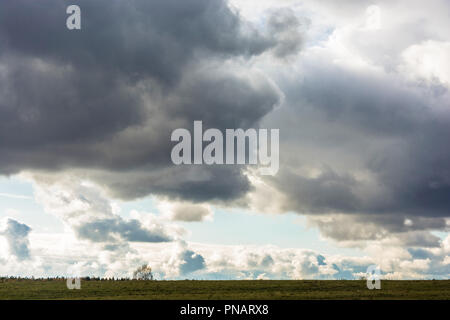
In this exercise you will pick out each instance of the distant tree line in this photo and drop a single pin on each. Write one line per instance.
(144, 272)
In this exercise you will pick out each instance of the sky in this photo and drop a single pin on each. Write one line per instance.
(359, 91)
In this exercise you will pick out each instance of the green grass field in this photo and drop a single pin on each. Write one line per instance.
(204, 290)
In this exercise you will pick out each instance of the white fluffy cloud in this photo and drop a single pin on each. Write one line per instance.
(428, 61)
(87, 212)
(181, 260)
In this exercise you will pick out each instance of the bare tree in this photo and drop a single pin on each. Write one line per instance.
(144, 272)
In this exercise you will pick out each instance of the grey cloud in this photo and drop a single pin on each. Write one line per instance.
(346, 269)
(267, 261)
(51, 105)
(16, 234)
(191, 262)
(377, 143)
(186, 211)
(321, 260)
(328, 192)
(183, 261)
(106, 98)
(419, 239)
(308, 269)
(241, 97)
(105, 230)
(117, 247)
(348, 227)
(420, 253)
(363, 229)
(286, 27)
(194, 183)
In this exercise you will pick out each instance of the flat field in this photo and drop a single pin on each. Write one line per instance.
(229, 290)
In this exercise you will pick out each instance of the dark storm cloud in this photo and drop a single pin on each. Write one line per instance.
(106, 98)
(133, 38)
(329, 192)
(240, 97)
(46, 104)
(195, 183)
(381, 148)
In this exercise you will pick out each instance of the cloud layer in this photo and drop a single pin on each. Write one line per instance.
(359, 91)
